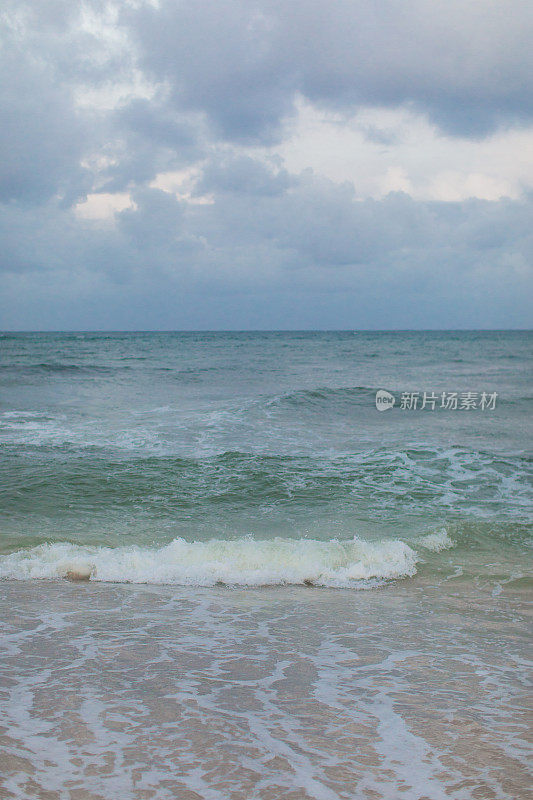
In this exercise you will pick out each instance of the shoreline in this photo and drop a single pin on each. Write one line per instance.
(161, 691)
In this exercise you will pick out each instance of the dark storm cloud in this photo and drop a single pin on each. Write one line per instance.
(43, 135)
(233, 69)
(242, 175)
(155, 232)
(317, 223)
(145, 139)
(460, 264)
(154, 122)
(41, 138)
(253, 245)
(53, 145)
(467, 65)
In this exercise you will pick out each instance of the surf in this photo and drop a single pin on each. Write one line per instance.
(238, 562)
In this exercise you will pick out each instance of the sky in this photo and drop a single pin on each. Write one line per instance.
(266, 164)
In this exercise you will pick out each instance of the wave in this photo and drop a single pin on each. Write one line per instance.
(322, 395)
(352, 564)
(56, 367)
(83, 466)
(437, 541)
(52, 368)
(341, 398)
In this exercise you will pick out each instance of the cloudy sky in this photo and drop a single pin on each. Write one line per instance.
(212, 164)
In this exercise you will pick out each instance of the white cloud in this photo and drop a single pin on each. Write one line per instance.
(384, 150)
(182, 183)
(103, 206)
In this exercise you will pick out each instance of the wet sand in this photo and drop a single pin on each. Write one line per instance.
(123, 691)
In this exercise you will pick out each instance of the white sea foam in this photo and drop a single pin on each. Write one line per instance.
(241, 562)
(437, 541)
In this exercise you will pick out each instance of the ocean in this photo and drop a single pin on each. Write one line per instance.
(226, 574)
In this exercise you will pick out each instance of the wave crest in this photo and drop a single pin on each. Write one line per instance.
(437, 541)
(240, 562)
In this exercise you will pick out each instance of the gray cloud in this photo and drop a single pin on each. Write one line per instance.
(243, 175)
(255, 246)
(44, 135)
(468, 66)
(232, 69)
(462, 264)
(41, 138)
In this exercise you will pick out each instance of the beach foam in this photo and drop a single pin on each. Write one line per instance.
(437, 541)
(240, 562)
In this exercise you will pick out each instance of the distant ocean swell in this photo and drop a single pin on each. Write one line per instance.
(60, 368)
(243, 562)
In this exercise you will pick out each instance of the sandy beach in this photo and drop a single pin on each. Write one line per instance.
(145, 692)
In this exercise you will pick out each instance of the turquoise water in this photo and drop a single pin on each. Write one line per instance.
(291, 593)
(257, 457)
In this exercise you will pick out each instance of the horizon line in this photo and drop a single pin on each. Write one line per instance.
(265, 330)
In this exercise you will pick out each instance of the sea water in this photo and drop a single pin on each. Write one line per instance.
(284, 590)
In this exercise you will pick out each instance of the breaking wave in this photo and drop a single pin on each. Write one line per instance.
(437, 541)
(241, 562)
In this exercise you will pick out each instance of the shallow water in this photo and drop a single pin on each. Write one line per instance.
(284, 591)
(168, 692)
